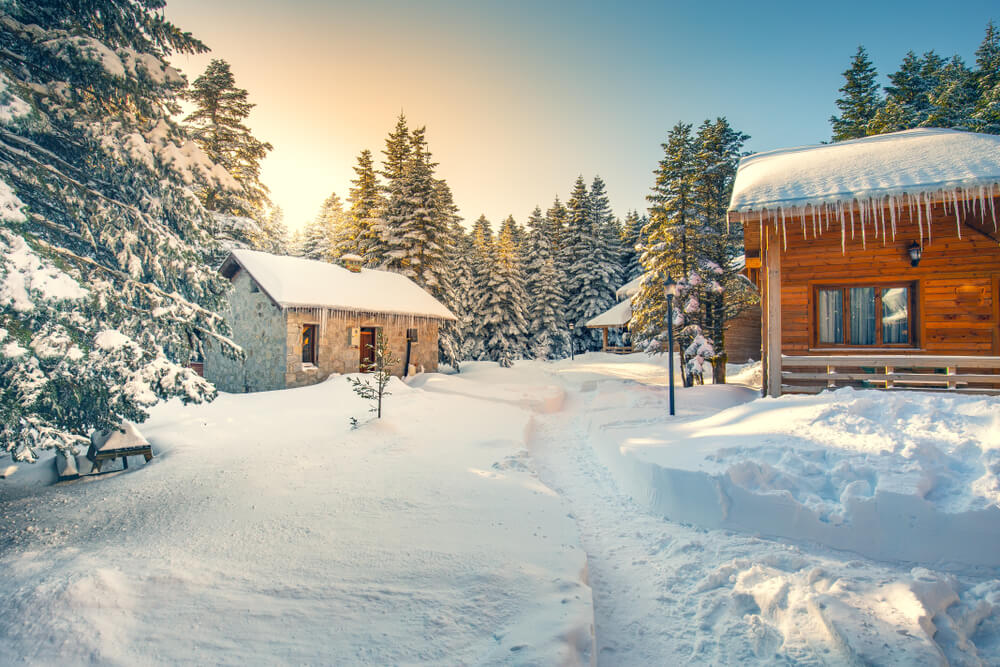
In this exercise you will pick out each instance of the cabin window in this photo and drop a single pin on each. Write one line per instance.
(864, 315)
(309, 344)
(253, 286)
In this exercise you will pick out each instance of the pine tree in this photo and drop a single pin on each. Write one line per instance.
(366, 202)
(907, 102)
(481, 260)
(548, 336)
(424, 224)
(578, 249)
(276, 232)
(724, 292)
(607, 275)
(631, 239)
(953, 100)
(98, 223)
(671, 236)
(860, 101)
(502, 326)
(390, 247)
(986, 115)
(319, 238)
(457, 293)
(217, 125)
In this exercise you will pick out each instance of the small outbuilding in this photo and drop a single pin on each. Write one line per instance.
(300, 320)
(878, 261)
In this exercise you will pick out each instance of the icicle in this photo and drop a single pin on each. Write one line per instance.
(840, 214)
(843, 233)
(958, 220)
(784, 235)
(852, 221)
(862, 210)
(815, 231)
(993, 212)
(803, 217)
(892, 216)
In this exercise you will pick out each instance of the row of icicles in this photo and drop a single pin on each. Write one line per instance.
(871, 211)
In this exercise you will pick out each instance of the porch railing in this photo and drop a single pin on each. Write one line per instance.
(813, 374)
(618, 349)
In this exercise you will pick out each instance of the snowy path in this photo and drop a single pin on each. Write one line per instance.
(672, 593)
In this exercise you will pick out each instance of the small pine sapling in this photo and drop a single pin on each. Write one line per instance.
(381, 371)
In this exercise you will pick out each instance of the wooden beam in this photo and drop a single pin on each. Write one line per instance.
(772, 286)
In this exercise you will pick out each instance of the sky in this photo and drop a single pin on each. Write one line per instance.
(519, 98)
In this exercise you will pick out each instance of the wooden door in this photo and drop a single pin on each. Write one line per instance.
(367, 351)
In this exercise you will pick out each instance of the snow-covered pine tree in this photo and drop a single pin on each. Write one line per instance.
(953, 100)
(548, 335)
(276, 232)
(556, 218)
(481, 260)
(725, 291)
(106, 289)
(631, 239)
(671, 237)
(319, 237)
(217, 125)
(579, 247)
(366, 202)
(423, 226)
(389, 247)
(608, 276)
(457, 293)
(860, 99)
(907, 102)
(503, 327)
(987, 112)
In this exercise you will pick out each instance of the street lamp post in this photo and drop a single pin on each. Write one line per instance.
(670, 291)
(572, 345)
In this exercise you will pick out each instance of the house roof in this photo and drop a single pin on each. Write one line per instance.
(924, 161)
(616, 316)
(630, 288)
(296, 282)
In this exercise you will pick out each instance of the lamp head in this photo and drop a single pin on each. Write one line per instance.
(915, 252)
(670, 288)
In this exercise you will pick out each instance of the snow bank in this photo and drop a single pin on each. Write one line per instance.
(893, 476)
(267, 530)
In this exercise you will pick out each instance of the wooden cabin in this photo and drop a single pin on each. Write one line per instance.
(300, 321)
(878, 261)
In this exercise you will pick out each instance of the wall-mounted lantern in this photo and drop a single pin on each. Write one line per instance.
(914, 251)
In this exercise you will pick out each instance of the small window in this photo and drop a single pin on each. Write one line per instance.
(309, 344)
(254, 287)
(866, 315)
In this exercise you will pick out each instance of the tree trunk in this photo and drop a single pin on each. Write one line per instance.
(719, 368)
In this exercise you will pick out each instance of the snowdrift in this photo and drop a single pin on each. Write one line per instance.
(901, 477)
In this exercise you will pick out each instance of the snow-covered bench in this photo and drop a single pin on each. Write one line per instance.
(110, 445)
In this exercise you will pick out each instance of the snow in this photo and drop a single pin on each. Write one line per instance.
(616, 316)
(129, 436)
(295, 282)
(111, 339)
(11, 108)
(547, 513)
(25, 276)
(630, 288)
(923, 160)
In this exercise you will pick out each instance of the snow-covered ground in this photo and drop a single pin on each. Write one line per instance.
(267, 531)
(549, 513)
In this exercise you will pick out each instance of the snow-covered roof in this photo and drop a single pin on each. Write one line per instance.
(630, 288)
(924, 161)
(616, 316)
(295, 282)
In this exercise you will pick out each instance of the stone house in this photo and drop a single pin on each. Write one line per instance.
(300, 320)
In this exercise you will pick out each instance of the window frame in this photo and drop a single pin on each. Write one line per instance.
(878, 286)
(314, 345)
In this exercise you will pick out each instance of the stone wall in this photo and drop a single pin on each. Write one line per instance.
(335, 353)
(258, 326)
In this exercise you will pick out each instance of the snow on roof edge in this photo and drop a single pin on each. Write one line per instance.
(265, 268)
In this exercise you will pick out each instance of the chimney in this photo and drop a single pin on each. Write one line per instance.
(352, 263)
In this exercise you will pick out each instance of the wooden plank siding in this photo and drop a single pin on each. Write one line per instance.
(956, 304)
(956, 282)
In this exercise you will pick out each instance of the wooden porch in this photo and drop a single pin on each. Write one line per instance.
(911, 372)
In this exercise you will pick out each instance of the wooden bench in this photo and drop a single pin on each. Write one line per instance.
(99, 457)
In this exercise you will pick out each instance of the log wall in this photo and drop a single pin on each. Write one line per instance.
(957, 281)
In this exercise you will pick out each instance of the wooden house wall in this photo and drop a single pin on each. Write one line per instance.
(743, 336)
(957, 281)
